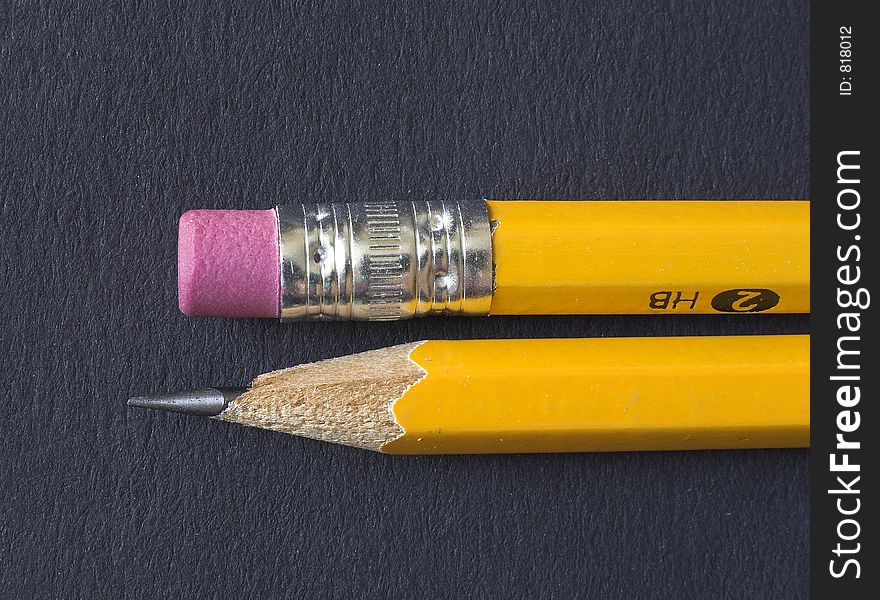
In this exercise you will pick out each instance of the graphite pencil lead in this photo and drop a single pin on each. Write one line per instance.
(207, 402)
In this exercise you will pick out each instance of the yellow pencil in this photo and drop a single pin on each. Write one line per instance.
(657, 257)
(556, 395)
(387, 260)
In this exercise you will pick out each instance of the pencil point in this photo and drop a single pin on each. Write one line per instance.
(208, 402)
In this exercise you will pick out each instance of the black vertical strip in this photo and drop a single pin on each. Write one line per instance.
(844, 172)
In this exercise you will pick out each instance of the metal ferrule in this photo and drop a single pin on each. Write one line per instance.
(383, 261)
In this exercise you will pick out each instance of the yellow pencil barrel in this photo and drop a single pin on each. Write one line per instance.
(653, 257)
(587, 395)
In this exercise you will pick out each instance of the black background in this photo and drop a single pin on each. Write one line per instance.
(116, 119)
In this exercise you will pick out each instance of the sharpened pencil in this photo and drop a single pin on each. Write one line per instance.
(539, 395)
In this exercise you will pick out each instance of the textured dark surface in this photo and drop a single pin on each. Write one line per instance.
(115, 120)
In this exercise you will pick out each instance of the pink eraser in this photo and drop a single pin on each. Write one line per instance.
(228, 264)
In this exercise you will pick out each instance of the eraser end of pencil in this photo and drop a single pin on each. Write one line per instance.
(228, 263)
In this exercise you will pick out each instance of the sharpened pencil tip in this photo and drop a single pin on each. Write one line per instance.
(137, 401)
(208, 402)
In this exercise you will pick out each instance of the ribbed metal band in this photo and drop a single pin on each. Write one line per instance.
(383, 261)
